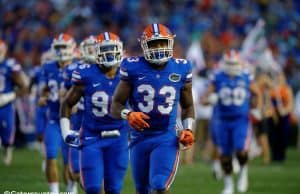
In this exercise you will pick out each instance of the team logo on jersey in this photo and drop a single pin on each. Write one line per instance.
(174, 77)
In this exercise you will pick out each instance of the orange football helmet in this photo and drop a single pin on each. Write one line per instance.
(88, 49)
(157, 43)
(63, 46)
(232, 63)
(3, 50)
(109, 49)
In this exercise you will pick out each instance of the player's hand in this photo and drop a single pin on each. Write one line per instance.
(137, 120)
(186, 138)
(72, 139)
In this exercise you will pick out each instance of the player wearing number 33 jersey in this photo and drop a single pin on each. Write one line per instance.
(154, 85)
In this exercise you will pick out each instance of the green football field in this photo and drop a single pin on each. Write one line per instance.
(25, 175)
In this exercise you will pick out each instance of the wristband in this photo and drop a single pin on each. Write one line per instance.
(188, 123)
(124, 113)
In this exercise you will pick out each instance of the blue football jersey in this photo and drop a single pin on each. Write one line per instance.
(68, 80)
(52, 76)
(233, 93)
(156, 92)
(37, 80)
(7, 67)
(98, 92)
(67, 74)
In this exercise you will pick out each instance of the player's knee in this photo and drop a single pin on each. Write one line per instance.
(226, 162)
(242, 157)
(158, 182)
(92, 190)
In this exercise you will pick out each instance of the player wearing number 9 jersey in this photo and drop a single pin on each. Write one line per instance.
(233, 88)
(154, 85)
(103, 139)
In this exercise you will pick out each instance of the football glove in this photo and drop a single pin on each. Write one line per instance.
(186, 138)
(72, 139)
(137, 120)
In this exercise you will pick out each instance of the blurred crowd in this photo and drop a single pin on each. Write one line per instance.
(29, 26)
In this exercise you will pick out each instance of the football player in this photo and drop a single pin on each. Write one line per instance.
(11, 75)
(40, 120)
(88, 55)
(232, 89)
(103, 139)
(154, 85)
(52, 79)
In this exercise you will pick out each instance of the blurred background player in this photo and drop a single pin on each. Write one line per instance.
(234, 90)
(88, 56)
(103, 139)
(63, 47)
(11, 75)
(35, 85)
(154, 85)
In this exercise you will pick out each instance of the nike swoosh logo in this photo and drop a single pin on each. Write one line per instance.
(87, 138)
(140, 78)
(97, 84)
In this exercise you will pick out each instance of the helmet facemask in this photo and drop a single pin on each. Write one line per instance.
(232, 63)
(158, 50)
(109, 53)
(232, 68)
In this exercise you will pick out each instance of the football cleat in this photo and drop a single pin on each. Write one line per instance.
(242, 184)
(228, 185)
